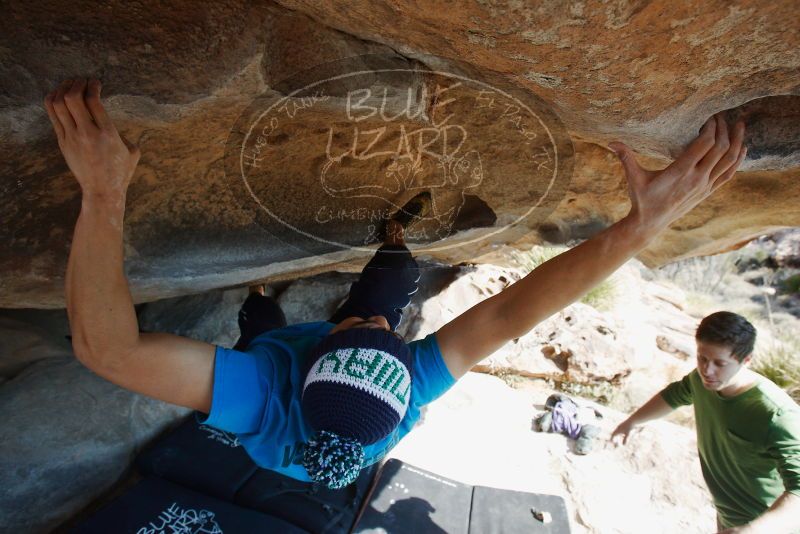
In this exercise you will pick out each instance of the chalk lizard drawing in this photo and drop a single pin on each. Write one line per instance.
(448, 177)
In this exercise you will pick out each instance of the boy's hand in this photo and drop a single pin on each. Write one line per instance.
(622, 433)
(660, 197)
(102, 161)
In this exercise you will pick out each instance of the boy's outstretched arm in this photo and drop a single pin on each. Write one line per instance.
(657, 199)
(105, 331)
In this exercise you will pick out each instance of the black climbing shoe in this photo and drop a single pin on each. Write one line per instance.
(411, 213)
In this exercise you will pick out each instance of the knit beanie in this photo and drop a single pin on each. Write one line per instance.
(356, 392)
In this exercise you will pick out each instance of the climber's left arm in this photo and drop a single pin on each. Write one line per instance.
(657, 199)
(105, 331)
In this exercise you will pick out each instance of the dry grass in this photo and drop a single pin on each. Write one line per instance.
(531, 259)
(779, 361)
(701, 275)
(601, 392)
(602, 296)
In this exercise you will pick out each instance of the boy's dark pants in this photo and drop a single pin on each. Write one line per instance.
(384, 288)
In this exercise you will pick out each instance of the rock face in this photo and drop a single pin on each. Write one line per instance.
(183, 81)
(209, 317)
(649, 73)
(67, 434)
(316, 298)
(577, 345)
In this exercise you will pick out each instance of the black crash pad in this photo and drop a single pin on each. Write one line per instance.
(409, 500)
(498, 511)
(155, 506)
(199, 457)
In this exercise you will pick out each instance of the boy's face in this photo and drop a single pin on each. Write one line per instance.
(717, 365)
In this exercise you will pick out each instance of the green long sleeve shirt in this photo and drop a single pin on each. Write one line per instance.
(749, 445)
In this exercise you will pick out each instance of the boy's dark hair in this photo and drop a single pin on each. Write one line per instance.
(728, 329)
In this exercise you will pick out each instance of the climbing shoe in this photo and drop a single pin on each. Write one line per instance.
(410, 214)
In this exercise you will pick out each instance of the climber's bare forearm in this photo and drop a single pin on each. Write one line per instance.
(546, 290)
(99, 303)
(564, 279)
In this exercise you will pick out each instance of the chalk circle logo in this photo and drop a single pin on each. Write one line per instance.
(326, 156)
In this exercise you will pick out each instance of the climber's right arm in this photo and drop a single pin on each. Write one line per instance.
(105, 331)
(658, 198)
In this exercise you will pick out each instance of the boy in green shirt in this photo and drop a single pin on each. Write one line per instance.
(748, 430)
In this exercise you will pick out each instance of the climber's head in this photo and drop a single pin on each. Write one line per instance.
(355, 394)
(725, 342)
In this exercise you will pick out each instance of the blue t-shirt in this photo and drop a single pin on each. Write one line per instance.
(257, 395)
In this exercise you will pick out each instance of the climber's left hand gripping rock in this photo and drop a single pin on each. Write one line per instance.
(101, 159)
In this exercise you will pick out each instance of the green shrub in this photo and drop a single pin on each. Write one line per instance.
(537, 255)
(702, 274)
(780, 362)
(602, 296)
(600, 392)
(700, 304)
(791, 285)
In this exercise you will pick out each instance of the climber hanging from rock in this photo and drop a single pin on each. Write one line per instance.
(347, 389)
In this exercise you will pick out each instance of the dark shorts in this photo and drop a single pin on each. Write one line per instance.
(384, 287)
